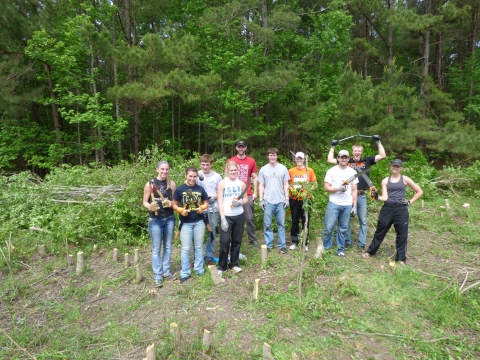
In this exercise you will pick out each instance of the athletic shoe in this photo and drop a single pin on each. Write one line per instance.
(361, 247)
(182, 280)
(401, 263)
(342, 255)
(293, 246)
(237, 269)
(283, 250)
(254, 243)
(348, 245)
(220, 272)
(158, 283)
(170, 277)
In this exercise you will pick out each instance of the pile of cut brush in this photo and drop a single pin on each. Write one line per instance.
(84, 193)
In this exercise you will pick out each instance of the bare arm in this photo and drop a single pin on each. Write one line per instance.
(381, 153)
(415, 187)
(329, 188)
(384, 196)
(146, 196)
(354, 194)
(285, 189)
(261, 190)
(255, 185)
(220, 188)
(331, 157)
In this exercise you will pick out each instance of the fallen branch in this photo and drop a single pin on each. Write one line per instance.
(36, 282)
(21, 348)
(469, 287)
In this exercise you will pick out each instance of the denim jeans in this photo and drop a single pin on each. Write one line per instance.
(192, 231)
(278, 211)
(212, 219)
(161, 233)
(362, 219)
(333, 213)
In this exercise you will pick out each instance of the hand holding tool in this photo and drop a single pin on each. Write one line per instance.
(353, 213)
(224, 224)
(262, 204)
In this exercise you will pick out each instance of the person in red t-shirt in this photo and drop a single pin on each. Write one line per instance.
(299, 180)
(247, 172)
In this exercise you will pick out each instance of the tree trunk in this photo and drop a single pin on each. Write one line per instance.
(473, 47)
(56, 116)
(438, 62)
(426, 49)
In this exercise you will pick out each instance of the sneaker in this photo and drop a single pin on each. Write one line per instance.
(237, 269)
(306, 248)
(158, 283)
(293, 247)
(283, 250)
(348, 245)
(342, 255)
(220, 272)
(254, 243)
(182, 280)
(170, 277)
(366, 255)
(361, 247)
(401, 263)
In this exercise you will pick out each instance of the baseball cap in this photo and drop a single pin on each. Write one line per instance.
(343, 153)
(300, 155)
(397, 162)
(241, 143)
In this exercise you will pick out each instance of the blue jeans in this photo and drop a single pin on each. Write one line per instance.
(212, 219)
(278, 211)
(161, 233)
(195, 231)
(362, 219)
(333, 213)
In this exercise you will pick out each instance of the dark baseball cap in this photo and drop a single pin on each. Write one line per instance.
(397, 162)
(241, 143)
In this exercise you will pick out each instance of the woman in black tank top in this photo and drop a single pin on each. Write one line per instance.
(394, 211)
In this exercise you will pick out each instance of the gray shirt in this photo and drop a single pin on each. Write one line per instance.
(273, 178)
(210, 184)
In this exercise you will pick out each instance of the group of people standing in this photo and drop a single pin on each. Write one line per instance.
(205, 200)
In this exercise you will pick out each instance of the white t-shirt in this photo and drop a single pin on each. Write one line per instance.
(210, 184)
(335, 177)
(231, 190)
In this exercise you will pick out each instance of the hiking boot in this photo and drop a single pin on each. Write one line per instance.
(293, 247)
(237, 269)
(348, 245)
(283, 250)
(361, 247)
(158, 283)
(254, 243)
(342, 255)
(170, 277)
(182, 280)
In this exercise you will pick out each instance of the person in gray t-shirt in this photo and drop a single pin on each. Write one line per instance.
(273, 193)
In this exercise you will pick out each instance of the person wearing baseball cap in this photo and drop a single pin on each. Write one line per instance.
(247, 172)
(301, 179)
(360, 163)
(394, 211)
(342, 202)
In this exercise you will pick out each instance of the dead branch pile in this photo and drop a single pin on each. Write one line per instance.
(74, 194)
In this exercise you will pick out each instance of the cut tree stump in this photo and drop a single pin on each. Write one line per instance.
(255, 289)
(207, 341)
(136, 259)
(80, 263)
(127, 260)
(138, 273)
(175, 332)
(267, 352)
(42, 251)
(70, 260)
(115, 255)
(320, 248)
(264, 254)
(151, 352)
(216, 278)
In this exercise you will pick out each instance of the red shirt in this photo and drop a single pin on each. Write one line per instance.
(246, 167)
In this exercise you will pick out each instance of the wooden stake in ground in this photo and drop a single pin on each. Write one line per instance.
(127, 260)
(320, 248)
(80, 263)
(70, 260)
(137, 257)
(151, 352)
(174, 332)
(115, 255)
(95, 248)
(207, 341)
(138, 273)
(423, 204)
(264, 254)
(255, 289)
(447, 204)
(267, 352)
(42, 250)
(216, 278)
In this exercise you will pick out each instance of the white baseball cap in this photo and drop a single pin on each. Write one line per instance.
(300, 155)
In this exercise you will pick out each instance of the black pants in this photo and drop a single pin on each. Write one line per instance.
(398, 216)
(230, 241)
(298, 213)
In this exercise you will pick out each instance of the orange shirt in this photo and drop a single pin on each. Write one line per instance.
(299, 176)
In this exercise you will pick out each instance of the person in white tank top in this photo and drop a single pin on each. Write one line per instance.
(230, 206)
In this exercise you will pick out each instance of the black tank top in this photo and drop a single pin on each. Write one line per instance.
(396, 191)
(167, 194)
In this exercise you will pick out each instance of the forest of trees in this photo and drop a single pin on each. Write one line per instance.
(85, 81)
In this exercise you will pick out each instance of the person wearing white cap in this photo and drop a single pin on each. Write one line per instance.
(394, 211)
(341, 202)
(299, 180)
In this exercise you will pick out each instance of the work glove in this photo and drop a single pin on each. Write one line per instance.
(262, 204)
(153, 207)
(166, 203)
(224, 224)
(237, 203)
(405, 202)
(199, 210)
(212, 199)
(342, 188)
(353, 213)
(286, 203)
(334, 143)
(374, 194)
(376, 138)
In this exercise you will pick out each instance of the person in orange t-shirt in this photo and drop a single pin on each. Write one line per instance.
(299, 179)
